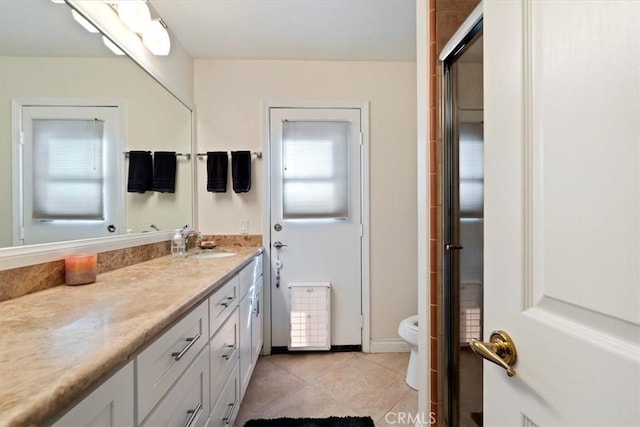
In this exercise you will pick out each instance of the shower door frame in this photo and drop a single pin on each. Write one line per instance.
(449, 374)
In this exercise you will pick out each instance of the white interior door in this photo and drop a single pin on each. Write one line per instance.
(316, 214)
(562, 210)
(70, 173)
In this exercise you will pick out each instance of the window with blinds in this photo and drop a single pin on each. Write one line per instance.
(68, 169)
(471, 170)
(315, 180)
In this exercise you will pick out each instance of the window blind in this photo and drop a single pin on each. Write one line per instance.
(315, 176)
(471, 170)
(68, 169)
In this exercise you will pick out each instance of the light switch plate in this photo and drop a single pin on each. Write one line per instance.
(244, 226)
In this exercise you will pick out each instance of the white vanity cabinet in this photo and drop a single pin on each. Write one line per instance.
(250, 285)
(193, 374)
(257, 321)
(160, 364)
(225, 350)
(111, 404)
(226, 408)
(186, 404)
(222, 303)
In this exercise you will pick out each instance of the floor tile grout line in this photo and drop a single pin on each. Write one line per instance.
(310, 380)
(381, 364)
(286, 394)
(363, 356)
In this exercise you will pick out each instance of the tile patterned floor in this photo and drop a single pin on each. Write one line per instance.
(330, 384)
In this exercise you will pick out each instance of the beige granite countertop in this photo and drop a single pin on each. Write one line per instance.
(56, 344)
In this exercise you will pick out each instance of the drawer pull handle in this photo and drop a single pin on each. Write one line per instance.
(190, 342)
(232, 349)
(232, 407)
(195, 414)
(227, 302)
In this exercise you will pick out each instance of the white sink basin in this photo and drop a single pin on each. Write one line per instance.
(207, 255)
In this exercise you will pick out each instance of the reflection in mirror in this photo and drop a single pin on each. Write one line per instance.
(50, 65)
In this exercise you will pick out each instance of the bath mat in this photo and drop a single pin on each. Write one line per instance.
(313, 422)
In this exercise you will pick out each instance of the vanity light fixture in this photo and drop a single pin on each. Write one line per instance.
(156, 38)
(135, 14)
(112, 46)
(83, 21)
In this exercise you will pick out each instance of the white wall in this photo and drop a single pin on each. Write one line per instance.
(155, 120)
(229, 96)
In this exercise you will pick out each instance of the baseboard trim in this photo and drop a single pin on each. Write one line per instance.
(396, 345)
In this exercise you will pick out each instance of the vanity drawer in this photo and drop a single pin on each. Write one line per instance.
(250, 274)
(160, 364)
(225, 351)
(111, 404)
(226, 408)
(222, 303)
(188, 401)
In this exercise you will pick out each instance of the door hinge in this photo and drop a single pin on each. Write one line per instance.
(361, 230)
(361, 321)
(361, 139)
(21, 137)
(22, 233)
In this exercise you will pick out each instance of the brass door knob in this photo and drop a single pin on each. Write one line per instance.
(500, 350)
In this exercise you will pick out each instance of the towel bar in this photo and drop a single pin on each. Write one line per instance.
(187, 155)
(257, 154)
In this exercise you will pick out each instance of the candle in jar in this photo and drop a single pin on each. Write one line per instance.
(80, 269)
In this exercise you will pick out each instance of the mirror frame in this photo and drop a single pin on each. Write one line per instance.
(175, 74)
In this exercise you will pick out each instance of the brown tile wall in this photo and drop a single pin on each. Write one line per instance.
(445, 17)
(21, 281)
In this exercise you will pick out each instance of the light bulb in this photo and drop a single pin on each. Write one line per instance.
(156, 38)
(135, 15)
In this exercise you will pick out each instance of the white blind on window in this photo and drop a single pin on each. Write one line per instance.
(471, 169)
(315, 176)
(68, 177)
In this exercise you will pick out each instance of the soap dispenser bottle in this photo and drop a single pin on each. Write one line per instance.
(177, 245)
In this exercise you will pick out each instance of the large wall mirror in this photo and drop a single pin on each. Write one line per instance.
(47, 59)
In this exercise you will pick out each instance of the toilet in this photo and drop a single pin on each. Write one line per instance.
(408, 331)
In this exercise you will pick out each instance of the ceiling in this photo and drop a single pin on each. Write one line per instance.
(43, 28)
(341, 30)
(354, 30)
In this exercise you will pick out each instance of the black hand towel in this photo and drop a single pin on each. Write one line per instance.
(241, 171)
(217, 171)
(140, 172)
(164, 171)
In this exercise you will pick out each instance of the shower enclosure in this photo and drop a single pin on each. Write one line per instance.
(463, 223)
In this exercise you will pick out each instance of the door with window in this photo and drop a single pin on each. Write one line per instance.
(562, 212)
(70, 173)
(316, 221)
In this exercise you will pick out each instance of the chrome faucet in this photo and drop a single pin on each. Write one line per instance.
(188, 232)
